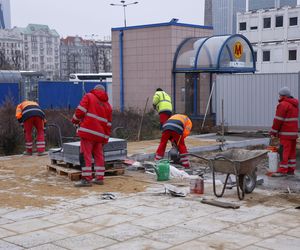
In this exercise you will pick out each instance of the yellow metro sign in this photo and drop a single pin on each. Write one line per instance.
(238, 50)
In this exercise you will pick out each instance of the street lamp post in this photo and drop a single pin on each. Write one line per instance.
(124, 5)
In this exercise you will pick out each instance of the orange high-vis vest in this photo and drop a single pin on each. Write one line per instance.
(27, 109)
(180, 124)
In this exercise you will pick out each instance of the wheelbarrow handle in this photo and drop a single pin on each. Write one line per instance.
(197, 156)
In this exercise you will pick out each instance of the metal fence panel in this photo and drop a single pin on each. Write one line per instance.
(60, 95)
(9, 90)
(250, 99)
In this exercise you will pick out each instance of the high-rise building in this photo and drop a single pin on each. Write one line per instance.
(5, 20)
(224, 11)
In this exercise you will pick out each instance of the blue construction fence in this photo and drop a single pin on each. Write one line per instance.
(51, 94)
(9, 91)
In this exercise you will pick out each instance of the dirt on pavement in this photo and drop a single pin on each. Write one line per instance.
(25, 181)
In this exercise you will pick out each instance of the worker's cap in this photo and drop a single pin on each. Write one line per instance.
(285, 91)
(159, 89)
(100, 87)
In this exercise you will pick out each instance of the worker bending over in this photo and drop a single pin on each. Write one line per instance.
(30, 115)
(176, 129)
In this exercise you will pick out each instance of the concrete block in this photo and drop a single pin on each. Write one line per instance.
(24, 214)
(47, 247)
(107, 220)
(5, 233)
(25, 226)
(280, 242)
(8, 246)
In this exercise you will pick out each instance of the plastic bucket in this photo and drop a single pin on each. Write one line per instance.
(273, 161)
(196, 185)
(163, 170)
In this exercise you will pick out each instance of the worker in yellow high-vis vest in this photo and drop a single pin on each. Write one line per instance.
(163, 105)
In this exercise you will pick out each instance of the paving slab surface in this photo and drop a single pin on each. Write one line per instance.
(145, 218)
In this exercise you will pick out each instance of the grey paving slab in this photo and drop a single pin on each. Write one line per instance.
(206, 225)
(95, 210)
(292, 211)
(107, 220)
(24, 214)
(5, 210)
(227, 239)
(293, 232)
(62, 206)
(85, 241)
(33, 239)
(5, 233)
(280, 242)
(5, 221)
(123, 231)
(75, 228)
(89, 200)
(254, 247)
(280, 219)
(28, 225)
(47, 247)
(128, 202)
(139, 244)
(162, 220)
(66, 217)
(259, 229)
(142, 210)
(8, 246)
(173, 235)
(193, 245)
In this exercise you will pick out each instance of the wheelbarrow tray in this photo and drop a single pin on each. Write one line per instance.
(237, 161)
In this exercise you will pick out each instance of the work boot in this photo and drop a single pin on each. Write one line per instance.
(27, 153)
(83, 183)
(291, 171)
(98, 182)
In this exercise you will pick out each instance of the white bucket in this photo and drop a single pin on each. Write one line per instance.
(273, 161)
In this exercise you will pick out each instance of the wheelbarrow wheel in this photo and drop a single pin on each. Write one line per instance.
(250, 182)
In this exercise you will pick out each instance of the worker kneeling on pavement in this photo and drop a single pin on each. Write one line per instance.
(94, 116)
(30, 115)
(176, 129)
(285, 126)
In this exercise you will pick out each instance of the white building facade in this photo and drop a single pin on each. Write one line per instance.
(11, 50)
(275, 37)
(41, 49)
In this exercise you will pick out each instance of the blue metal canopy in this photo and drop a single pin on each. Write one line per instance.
(217, 54)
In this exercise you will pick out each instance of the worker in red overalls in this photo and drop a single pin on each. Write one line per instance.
(94, 116)
(285, 126)
(30, 115)
(175, 129)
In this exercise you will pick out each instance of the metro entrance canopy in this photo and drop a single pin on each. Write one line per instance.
(195, 64)
(218, 54)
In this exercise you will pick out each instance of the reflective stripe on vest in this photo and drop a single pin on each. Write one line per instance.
(288, 133)
(82, 108)
(286, 119)
(97, 117)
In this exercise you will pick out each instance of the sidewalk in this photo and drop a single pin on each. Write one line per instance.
(144, 218)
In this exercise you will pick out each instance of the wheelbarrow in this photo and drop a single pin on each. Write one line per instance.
(239, 162)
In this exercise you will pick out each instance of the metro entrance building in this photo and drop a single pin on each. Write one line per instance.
(182, 59)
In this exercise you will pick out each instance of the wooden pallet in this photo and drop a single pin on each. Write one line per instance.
(74, 173)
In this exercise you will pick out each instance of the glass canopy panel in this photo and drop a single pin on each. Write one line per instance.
(187, 54)
(208, 54)
(235, 54)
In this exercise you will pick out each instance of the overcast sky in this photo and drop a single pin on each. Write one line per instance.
(87, 17)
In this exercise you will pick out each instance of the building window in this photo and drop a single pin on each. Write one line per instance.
(279, 21)
(292, 55)
(267, 22)
(266, 56)
(253, 28)
(243, 26)
(293, 21)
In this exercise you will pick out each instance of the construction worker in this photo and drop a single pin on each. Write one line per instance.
(163, 105)
(285, 126)
(176, 129)
(93, 116)
(30, 115)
